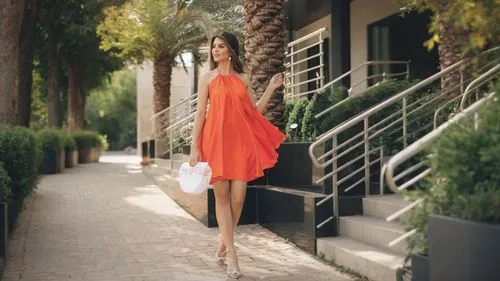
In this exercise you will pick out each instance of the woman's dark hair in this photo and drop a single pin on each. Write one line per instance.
(234, 51)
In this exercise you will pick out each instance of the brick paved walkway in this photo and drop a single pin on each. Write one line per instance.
(107, 221)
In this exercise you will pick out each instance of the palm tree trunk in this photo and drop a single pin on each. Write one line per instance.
(53, 99)
(10, 26)
(162, 78)
(76, 99)
(265, 51)
(450, 52)
(26, 54)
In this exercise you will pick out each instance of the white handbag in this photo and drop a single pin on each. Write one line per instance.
(195, 180)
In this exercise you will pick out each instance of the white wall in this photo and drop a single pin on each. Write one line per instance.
(181, 88)
(364, 13)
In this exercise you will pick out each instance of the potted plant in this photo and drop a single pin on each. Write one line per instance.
(71, 159)
(21, 153)
(84, 143)
(459, 222)
(53, 151)
(99, 144)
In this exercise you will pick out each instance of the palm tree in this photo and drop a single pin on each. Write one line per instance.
(10, 26)
(156, 30)
(265, 50)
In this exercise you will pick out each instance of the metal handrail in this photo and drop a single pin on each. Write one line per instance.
(304, 38)
(376, 109)
(411, 151)
(367, 78)
(297, 64)
(415, 148)
(478, 81)
(469, 89)
(367, 63)
(369, 141)
(182, 102)
(392, 100)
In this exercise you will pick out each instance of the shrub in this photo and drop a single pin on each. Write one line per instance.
(68, 141)
(295, 117)
(465, 182)
(51, 139)
(5, 188)
(87, 139)
(20, 151)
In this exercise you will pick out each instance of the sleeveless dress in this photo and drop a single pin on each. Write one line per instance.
(237, 141)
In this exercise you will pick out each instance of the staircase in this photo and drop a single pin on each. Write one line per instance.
(362, 241)
(371, 242)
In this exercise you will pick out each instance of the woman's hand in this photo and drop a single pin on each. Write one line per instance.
(276, 81)
(194, 156)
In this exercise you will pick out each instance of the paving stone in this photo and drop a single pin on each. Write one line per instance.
(107, 221)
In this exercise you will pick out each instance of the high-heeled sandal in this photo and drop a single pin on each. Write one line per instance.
(222, 257)
(231, 271)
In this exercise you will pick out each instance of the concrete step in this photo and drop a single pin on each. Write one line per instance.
(382, 206)
(376, 263)
(372, 230)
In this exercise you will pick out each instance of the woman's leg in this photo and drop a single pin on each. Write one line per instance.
(238, 195)
(223, 214)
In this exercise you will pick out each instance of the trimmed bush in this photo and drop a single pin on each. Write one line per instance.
(69, 142)
(295, 117)
(21, 154)
(51, 139)
(87, 139)
(5, 188)
(465, 182)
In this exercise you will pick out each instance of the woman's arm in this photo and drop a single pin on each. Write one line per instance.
(199, 118)
(274, 84)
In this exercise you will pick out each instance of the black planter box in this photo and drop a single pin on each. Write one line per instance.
(294, 167)
(462, 250)
(71, 158)
(293, 215)
(419, 268)
(53, 161)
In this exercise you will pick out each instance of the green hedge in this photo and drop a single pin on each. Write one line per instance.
(20, 151)
(5, 188)
(302, 112)
(465, 181)
(68, 141)
(87, 139)
(295, 117)
(51, 139)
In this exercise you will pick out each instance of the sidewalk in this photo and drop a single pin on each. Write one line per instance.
(108, 221)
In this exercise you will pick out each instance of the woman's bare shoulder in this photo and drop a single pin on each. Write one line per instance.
(207, 77)
(245, 78)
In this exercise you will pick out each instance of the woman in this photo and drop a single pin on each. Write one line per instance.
(234, 138)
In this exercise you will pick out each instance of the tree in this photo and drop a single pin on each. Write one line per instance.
(154, 30)
(10, 26)
(111, 110)
(265, 51)
(26, 56)
(459, 27)
(85, 63)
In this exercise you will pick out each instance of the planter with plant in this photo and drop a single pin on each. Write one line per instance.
(21, 153)
(458, 223)
(88, 144)
(71, 151)
(52, 144)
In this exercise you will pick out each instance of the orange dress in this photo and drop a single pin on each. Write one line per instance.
(237, 141)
